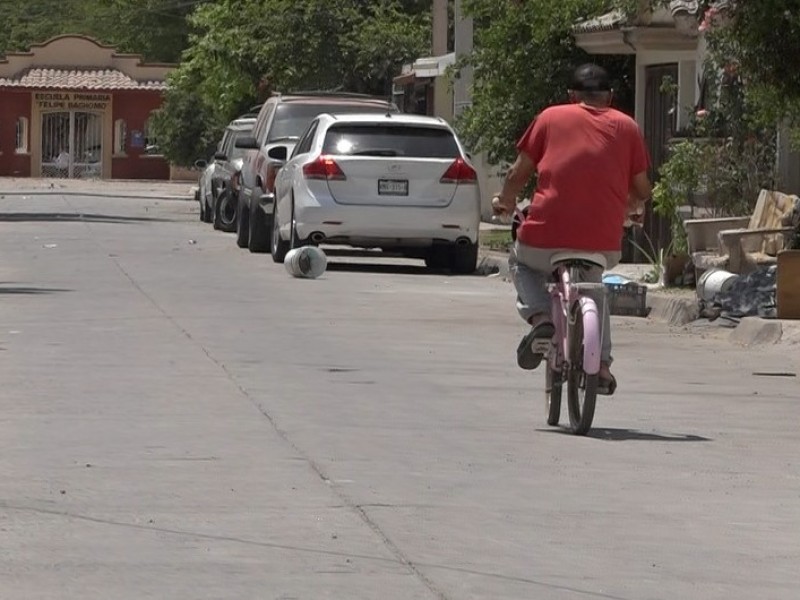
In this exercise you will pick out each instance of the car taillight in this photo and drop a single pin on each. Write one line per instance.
(459, 172)
(323, 168)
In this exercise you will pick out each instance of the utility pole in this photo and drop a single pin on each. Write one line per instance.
(462, 88)
(440, 26)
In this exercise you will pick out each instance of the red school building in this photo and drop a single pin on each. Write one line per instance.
(73, 107)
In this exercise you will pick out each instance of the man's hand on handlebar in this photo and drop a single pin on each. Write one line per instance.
(501, 207)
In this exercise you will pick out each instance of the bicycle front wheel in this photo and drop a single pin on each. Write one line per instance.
(581, 388)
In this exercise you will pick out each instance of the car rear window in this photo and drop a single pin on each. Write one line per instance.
(390, 140)
(235, 152)
(292, 119)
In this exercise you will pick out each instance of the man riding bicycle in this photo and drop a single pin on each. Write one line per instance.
(591, 165)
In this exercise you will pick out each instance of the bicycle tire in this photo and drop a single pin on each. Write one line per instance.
(581, 388)
(554, 381)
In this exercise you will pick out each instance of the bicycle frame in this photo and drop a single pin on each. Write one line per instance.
(564, 293)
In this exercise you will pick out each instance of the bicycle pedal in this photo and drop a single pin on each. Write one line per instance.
(540, 346)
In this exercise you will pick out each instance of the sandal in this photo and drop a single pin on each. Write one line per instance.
(607, 387)
(535, 345)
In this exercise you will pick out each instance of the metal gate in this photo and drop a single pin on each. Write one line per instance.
(72, 144)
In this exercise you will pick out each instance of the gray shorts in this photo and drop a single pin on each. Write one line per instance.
(531, 270)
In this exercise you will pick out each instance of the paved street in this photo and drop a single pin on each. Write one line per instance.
(180, 419)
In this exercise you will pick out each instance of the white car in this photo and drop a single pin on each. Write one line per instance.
(396, 182)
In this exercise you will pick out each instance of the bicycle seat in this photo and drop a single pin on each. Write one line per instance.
(592, 258)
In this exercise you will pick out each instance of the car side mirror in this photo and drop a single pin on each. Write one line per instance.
(200, 164)
(278, 153)
(247, 143)
(220, 156)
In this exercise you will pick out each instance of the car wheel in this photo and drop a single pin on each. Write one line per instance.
(278, 247)
(294, 240)
(242, 223)
(464, 259)
(225, 212)
(207, 212)
(437, 258)
(260, 229)
(201, 204)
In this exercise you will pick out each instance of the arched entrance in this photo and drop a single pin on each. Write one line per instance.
(72, 144)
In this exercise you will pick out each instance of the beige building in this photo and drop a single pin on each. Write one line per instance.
(74, 107)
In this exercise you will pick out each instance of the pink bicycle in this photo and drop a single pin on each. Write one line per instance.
(574, 353)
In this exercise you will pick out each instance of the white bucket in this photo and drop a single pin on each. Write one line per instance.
(308, 262)
(713, 282)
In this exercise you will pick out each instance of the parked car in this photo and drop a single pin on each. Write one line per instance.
(216, 195)
(395, 182)
(281, 121)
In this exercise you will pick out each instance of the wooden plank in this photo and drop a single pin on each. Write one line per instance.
(788, 284)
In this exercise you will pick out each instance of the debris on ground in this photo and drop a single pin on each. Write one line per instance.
(751, 295)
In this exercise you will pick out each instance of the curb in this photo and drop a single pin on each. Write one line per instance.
(673, 310)
(96, 195)
(492, 263)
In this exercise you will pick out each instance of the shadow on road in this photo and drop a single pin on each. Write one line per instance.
(22, 290)
(625, 435)
(378, 263)
(381, 268)
(16, 217)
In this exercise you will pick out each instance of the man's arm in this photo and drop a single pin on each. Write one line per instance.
(516, 178)
(637, 196)
(640, 187)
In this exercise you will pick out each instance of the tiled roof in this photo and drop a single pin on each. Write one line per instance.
(78, 79)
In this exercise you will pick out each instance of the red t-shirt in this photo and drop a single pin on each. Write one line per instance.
(586, 158)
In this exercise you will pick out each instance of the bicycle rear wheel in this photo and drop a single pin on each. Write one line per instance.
(553, 386)
(581, 388)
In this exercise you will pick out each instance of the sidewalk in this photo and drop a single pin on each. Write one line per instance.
(159, 190)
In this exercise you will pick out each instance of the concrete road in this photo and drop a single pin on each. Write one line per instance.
(179, 419)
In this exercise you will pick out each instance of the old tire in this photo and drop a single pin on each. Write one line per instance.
(225, 212)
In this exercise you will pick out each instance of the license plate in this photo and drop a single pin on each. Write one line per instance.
(393, 187)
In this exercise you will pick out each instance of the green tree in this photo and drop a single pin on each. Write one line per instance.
(241, 51)
(761, 41)
(158, 29)
(523, 59)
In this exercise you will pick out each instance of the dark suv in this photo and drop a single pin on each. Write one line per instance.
(283, 118)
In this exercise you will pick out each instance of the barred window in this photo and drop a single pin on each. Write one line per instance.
(21, 136)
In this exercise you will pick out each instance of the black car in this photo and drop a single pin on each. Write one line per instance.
(217, 190)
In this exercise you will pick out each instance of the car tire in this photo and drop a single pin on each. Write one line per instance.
(260, 229)
(464, 259)
(278, 246)
(208, 214)
(438, 258)
(225, 212)
(242, 223)
(201, 204)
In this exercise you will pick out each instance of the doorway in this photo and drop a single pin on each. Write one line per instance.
(72, 144)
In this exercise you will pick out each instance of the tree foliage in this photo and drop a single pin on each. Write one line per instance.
(240, 51)
(523, 58)
(761, 41)
(158, 29)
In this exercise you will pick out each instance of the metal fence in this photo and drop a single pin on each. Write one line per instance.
(72, 145)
